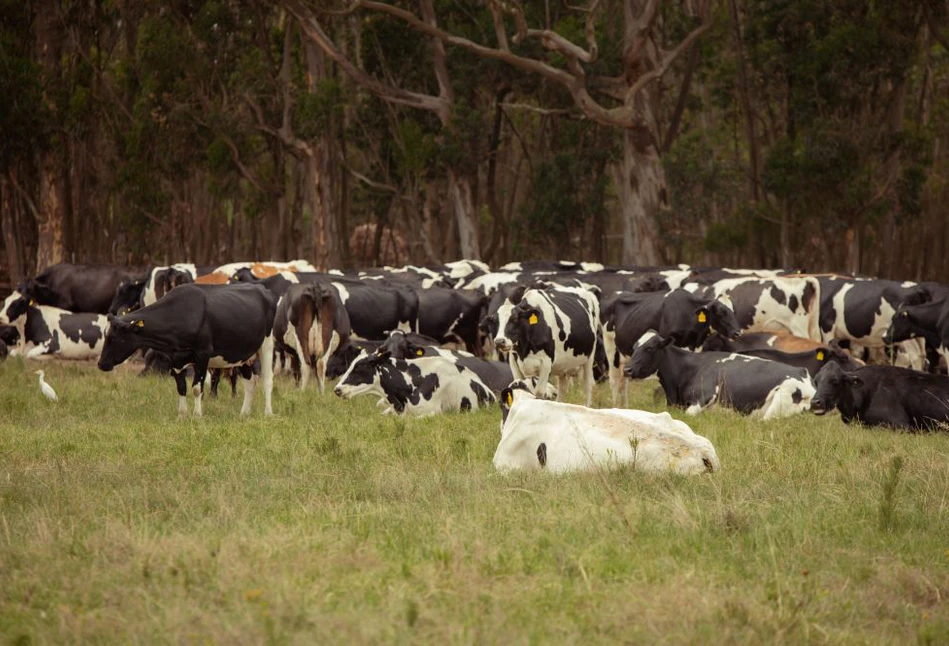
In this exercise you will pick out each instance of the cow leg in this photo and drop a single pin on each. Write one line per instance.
(516, 371)
(250, 384)
(182, 385)
(266, 372)
(615, 367)
(589, 382)
(304, 372)
(321, 371)
(197, 386)
(40, 351)
(215, 380)
(233, 375)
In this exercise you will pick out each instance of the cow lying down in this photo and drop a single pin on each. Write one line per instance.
(420, 386)
(884, 396)
(45, 331)
(698, 380)
(558, 437)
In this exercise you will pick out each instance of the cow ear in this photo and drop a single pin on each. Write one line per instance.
(820, 354)
(666, 341)
(701, 314)
(507, 398)
(382, 354)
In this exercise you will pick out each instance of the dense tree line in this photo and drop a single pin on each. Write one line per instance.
(811, 133)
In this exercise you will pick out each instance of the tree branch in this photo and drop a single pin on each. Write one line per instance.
(933, 27)
(663, 67)
(312, 28)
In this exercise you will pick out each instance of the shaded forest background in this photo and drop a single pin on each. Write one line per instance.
(793, 133)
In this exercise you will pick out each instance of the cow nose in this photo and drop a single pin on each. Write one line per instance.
(338, 391)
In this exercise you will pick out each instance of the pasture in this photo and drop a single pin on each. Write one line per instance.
(330, 523)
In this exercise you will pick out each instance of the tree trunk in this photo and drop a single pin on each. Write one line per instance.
(52, 174)
(641, 185)
(460, 194)
(11, 242)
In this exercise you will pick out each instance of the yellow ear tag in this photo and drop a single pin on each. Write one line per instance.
(140, 323)
(533, 319)
(32, 303)
(419, 352)
(820, 355)
(702, 317)
(510, 399)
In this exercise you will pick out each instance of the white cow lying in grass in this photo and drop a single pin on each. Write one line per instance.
(539, 434)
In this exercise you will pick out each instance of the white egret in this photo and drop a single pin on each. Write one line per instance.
(46, 388)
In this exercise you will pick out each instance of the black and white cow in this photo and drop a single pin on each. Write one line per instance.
(496, 375)
(812, 360)
(45, 331)
(697, 380)
(310, 324)
(779, 304)
(204, 326)
(420, 387)
(883, 396)
(138, 291)
(860, 310)
(128, 294)
(77, 288)
(550, 332)
(688, 319)
(560, 438)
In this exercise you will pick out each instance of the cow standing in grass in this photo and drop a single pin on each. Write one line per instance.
(205, 326)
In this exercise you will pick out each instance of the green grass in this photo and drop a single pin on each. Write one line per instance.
(333, 524)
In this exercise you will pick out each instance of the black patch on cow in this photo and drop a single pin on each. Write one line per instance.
(792, 303)
(482, 394)
(465, 404)
(542, 454)
(424, 386)
(797, 396)
(807, 298)
(708, 464)
(778, 294)
(9, 334)
(80, 328)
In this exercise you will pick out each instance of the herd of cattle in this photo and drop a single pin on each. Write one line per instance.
(429, 339)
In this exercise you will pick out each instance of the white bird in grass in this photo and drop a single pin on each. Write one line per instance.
(46, 388)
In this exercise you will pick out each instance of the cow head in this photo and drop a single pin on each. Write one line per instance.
(646, 355)
(838, 355)
(15, 306)
(342, 359)
(518, 390)
(720, 318)
(9, 334)
(244, 275)
(832, 383)
(525, 325)
(122, 339)
(903, 326)
(400, 346)
(39, 292)
(362, 376)
(128, 295)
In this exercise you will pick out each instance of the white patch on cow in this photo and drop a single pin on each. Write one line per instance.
(771, 315)
(68, 349)
(571, 438)
(780, 402)
(649, 334)
(491, 282)
(343, 292)
(4, 317)
(676, 277)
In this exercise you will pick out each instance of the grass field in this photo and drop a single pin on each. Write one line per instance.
(333, 524)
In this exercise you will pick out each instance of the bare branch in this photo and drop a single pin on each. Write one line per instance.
(312, 28)
(533, 108)
(670, 58)
(498, 17)
(246, 172)
(555, 42)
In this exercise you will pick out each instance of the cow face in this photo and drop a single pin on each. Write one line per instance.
(523, 327)
(902, 327)
(168, 279)
(646, 356)
(121, 341)
(14, 308)
(362, 376)
(128, 296)
(399, 346)
(832, 383)
(9, 334)
(721, 319)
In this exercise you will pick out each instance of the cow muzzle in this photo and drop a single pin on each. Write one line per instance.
(105, 366)
(502, 343)
(817, 407)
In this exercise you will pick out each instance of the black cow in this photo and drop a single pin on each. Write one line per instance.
(128, 294)
(452, 316)
(9, 334)
(77, 288)
(688, 319)
(217, 326)
(929, 321)
(697, 380)
(883, 396)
